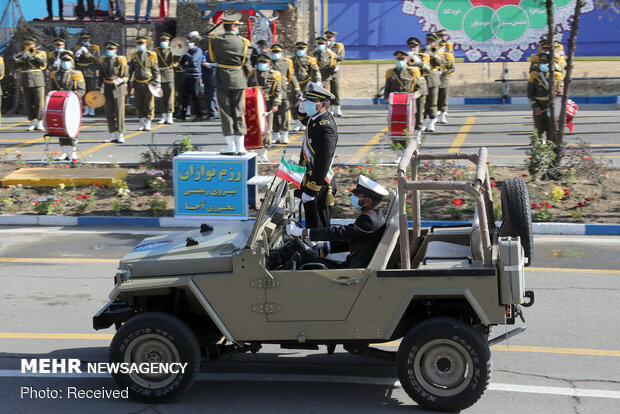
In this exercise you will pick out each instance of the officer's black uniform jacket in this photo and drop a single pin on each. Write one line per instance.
(322, 136)
(360, 237)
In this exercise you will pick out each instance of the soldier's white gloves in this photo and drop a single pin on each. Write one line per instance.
(336, 69)
(305, 198)
(56, 63)
(440, 72)
(301, 108)
(416, 59)
(294, 230)
(118, 81)
(320, 83)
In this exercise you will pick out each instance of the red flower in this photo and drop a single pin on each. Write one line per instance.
(18, 155)
(548, 205)
(458, 201)
(85, 196)
(367, 162)
(588, 199)
(524, 175)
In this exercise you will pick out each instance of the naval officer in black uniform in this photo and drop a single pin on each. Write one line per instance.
(318, 186)
(360, 238)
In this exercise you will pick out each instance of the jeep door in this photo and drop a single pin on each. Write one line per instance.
(314, 295)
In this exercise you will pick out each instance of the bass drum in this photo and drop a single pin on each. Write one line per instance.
(401, 114)
(255, 119)
(63, 114)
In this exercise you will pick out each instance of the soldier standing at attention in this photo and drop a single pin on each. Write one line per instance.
(87, 60)
(306, 71)
(32, 63)
(232, 54)
(326, 60)
(318, 186)
(334, 84)
(444, 81)
(114, 76)
(270, 80)
(290, 90)
(166, 61)
(191, 63)
(421, 61)
(143, 69)
(432, 79)
(66, 78)
(538, 94)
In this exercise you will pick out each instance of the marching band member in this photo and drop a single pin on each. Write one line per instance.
(402, 78)
(53, 58)
(432, 79)
(87, 60)
(538, 93)
(167, 61)
(422, 62)
(114, 76)
(290, 89)
(232, 54)
(66, 78)
(334, 83)
(306, 70)
(270, 80)
(33, 62)
(143, 69)
(447, 70)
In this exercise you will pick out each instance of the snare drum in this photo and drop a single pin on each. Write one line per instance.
(63, 115)
(401, 114)
(255, 119)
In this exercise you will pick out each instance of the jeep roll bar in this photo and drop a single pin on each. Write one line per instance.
(479, 189)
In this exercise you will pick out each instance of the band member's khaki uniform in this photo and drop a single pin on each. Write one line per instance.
(271, 83)
(143, 69)
(113, 68)
(167, 62)
(290, 88)
(33, 83)
(334, 83)
(88, 63)
(1, 77)
(232, 54)
(306, 70)
(68, 80)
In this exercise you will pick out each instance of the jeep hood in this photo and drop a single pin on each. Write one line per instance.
(169, 254)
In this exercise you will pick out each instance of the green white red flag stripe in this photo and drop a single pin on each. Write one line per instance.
(291, 173)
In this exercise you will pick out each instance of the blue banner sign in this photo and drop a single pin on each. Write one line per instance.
(209, 185)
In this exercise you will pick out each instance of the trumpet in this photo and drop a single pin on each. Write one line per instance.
(21, 55)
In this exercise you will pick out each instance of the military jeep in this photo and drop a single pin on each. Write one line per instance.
(231, 287)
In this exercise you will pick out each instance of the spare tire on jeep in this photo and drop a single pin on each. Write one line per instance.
(517, 215)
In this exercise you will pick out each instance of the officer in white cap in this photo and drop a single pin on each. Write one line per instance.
(360, 238)
(317, 155)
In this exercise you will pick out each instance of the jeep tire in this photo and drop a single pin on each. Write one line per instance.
(517, 215)
(153, 337)
(444, 364)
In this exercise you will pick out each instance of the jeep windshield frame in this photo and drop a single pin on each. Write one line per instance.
(479, 189)
(272, 198)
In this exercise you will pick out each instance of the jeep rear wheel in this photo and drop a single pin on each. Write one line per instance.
(444, 364)
(517, 215)
(155, 337)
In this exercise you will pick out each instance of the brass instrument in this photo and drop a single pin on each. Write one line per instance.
(21, 55)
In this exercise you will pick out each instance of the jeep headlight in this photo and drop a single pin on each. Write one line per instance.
(122, 276)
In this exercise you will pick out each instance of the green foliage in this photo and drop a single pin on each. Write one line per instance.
(155, 158)
(158, 205)
(123, 201)
(540, 156)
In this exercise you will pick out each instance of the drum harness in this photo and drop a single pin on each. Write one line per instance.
(400, 82)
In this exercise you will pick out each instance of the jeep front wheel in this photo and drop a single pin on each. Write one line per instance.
(155, 338)
(444, 364)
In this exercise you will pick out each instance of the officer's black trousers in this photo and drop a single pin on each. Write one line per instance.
(191, 90)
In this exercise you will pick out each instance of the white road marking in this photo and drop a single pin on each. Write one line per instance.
(390, 382)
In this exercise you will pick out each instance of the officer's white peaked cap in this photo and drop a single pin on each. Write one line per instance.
(365, 185)
(318, 92)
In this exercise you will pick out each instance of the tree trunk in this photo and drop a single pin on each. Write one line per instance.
(559, 150)
(550, 35)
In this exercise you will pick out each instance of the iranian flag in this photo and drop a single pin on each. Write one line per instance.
(291, 173)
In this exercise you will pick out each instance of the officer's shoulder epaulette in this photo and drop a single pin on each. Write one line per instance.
(101, 59)
(152, 54)
(123, 59)
(277, 75)
(312, 59)
(77, 75)
(388, 73)
(413, 71)
(324, 122)
(558, 75)
(339, 45)
(245, 41)
(42, 53)
(132, 56)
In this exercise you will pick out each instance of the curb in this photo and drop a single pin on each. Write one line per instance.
(96, 221)
(517, 100)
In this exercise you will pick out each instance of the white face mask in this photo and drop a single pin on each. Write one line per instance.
(310, 108)
(141, 48)
(401, 64)
(235, 31)
(263, 66)
(164, 44)
(320, 48)
(276, 56)
(300, 52)
(110, 52)
(66, 65)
